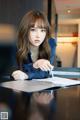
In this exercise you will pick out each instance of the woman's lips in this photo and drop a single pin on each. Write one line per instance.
(37, 40)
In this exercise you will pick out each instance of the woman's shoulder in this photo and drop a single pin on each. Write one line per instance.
(52, 42)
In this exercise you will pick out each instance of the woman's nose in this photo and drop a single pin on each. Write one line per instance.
(38, 33)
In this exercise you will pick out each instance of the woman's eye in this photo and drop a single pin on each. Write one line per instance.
(32, 29)
(43, 30)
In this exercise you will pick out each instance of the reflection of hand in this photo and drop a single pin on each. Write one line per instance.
(43, 97)
(19, 75)
(43, 64)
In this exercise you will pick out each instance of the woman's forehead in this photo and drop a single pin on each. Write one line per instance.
(39, 23)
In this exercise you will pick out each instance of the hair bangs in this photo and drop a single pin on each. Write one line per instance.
(39, 23)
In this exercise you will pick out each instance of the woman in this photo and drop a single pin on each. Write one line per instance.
(36, 51)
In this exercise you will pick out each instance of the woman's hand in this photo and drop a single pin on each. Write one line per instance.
(19, 75)
(43, 64)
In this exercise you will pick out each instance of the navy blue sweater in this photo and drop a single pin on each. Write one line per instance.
(34, 73)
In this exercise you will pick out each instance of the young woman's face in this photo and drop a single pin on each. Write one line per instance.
(37, 35)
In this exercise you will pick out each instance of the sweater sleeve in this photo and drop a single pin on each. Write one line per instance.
(52, 43)
(34, 73)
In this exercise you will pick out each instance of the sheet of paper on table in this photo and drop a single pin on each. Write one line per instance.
(39, 84)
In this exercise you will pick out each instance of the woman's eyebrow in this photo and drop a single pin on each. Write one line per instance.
(39, 27)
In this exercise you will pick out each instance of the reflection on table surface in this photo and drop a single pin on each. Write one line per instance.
(63, 104)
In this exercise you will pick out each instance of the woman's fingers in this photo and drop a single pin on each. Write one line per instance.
(50, 66)
(19, 75)
(43, 64)
(46, 66)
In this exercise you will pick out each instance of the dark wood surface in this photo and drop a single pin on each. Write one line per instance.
(22, 106)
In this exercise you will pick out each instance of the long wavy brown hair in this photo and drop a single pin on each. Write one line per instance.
(27, 22)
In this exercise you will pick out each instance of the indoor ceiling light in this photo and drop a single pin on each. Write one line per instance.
(68, 11)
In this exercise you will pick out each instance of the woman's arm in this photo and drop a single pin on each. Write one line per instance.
(39, 69)
(37, 72)
(34, 73)
(52, 43)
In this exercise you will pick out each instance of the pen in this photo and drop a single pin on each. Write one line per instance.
(51, 73)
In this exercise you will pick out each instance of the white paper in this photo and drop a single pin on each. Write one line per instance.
(62, 82)
(28, 86)
(39, 84)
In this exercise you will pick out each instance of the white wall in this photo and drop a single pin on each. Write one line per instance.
(66, 51)
(78, 58)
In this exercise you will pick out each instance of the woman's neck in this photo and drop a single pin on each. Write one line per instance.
(34, 52)
(33, 48)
